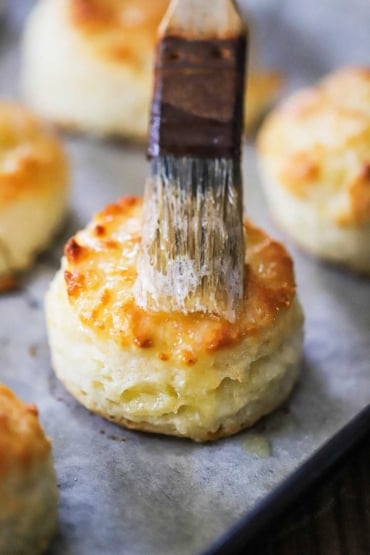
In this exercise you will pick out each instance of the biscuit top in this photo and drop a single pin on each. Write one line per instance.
(31, 159)
(22, 440)
(100, 272)
(317, 145)
(123, 31)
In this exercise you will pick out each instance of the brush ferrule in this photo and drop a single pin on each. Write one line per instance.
(198, 100)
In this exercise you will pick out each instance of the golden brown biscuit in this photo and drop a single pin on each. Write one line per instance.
(33, 189)
(194, 375)
(88, 64)
(28, 490)
(315, 163)
(264, 86)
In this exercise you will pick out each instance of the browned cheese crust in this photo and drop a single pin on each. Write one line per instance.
(101, 270)
(121, 30)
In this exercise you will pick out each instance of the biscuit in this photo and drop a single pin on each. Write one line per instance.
(195, 375)
(33, 189)
(263, 89)
(314, 153)
(88, 66)
(28, 490)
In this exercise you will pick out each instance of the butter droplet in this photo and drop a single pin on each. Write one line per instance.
(258, 445)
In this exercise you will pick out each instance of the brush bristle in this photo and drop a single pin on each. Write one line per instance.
(193, 246)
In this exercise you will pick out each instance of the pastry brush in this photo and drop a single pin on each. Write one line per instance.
(193, 247)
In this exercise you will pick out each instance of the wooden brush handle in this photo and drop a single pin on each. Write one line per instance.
(197, 107)
(202, 19)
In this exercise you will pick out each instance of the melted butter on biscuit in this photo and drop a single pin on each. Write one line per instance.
(100, 278)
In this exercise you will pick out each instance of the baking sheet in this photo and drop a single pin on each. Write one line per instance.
(136, 494)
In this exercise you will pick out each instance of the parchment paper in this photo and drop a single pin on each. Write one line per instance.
(128, 493)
